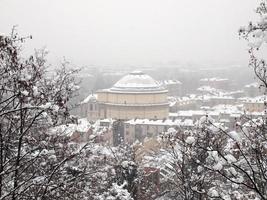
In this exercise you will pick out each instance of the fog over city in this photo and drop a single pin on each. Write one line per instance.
(126, 32)
(133, 99)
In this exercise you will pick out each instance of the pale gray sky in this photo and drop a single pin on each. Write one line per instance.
(132, 32)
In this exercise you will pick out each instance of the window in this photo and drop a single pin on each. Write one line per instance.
(91, 107)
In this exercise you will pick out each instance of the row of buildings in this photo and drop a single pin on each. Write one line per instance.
(137, 106)
(137, 95)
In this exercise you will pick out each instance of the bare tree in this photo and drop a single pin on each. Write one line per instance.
(34, 162)
(211, 162)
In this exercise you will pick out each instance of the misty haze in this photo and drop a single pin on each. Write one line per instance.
(133, 100)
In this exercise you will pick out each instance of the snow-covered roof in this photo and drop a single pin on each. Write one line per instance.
(137, 81)
(222, 97)
(232, 110)
(254, 122)
(171, 82)
(3, 34)
(258, 99)
(189, 113)
(90, 98)
(206, 88)
(252, 85)
(68, 129)
(214, 79)
(160, 122)
(99, 124)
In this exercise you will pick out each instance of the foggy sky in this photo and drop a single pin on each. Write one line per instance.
(132, 32)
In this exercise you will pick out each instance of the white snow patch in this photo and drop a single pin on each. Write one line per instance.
(190, 140)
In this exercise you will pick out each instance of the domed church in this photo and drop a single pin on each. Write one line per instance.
(136, 95)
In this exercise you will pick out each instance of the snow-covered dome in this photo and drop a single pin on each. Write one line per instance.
(137, 81)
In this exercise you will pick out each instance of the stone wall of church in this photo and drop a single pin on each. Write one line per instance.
(131, 112)
(132, 98)
(118, 105)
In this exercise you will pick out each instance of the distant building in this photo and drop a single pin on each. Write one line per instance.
(174, 87)
(136, 95)
(89, 108)
(78, 133)
(218, 83)
(183, 103)
(256, 104)
(252, 90)
(139, 129)
(217, 100)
